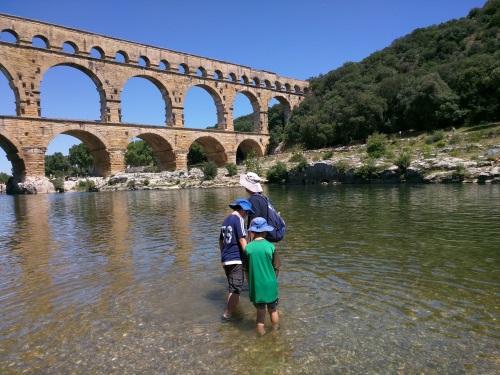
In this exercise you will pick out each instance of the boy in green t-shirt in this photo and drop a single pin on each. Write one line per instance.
(263, 265)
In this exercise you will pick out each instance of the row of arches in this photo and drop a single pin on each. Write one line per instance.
(85, 106)
(36, 49)
(108, 151)
(141, 101)
(109, 81)
(121, 56)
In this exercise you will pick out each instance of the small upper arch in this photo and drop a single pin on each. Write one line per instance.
(164, 65)
(218, 75)
(9, 36)
(144, 61)
(70, 47)
(97, 52)
(244, 80)
(201, 72)
(40, 41)
(183, 68)
(122, 56)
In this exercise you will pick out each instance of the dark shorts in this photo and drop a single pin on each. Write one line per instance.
(234, 274)
(270, 306)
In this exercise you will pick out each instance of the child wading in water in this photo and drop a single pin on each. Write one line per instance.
(232, 242)
(263, 265)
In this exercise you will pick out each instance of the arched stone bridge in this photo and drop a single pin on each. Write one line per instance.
(109, 62)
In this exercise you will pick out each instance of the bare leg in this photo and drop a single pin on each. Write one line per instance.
(261, 318)
(275, 319)
(232, 302)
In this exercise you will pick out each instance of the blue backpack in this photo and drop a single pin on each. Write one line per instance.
(276, 221)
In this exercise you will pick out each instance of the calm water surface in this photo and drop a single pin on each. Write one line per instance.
(376, 280)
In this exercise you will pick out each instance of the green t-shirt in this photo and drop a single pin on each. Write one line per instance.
(262, 260)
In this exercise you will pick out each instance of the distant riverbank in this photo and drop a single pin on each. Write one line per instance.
(468, 155)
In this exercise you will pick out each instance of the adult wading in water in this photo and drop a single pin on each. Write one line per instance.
(251, 182)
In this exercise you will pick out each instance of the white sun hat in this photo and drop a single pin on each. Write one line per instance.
(251, 181)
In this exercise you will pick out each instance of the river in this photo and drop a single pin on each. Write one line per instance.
(401, 279)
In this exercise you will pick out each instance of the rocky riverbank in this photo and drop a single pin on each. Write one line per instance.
(345, 165)
(438, 169)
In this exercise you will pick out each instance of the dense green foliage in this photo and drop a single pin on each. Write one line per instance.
(139, 154)
(56, 165)
(196, 155)
(86, 185)
(58, 184)
(376, 145)
(277, 173)
(4, 177)
(80, 159)
(434, 78)
(232, 169)
(209, 170)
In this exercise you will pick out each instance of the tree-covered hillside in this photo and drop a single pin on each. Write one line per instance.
(435, 77)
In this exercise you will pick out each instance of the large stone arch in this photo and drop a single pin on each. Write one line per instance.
(169, 118)
(214, 150)
(245, 147)
(6, 70)
(164, 151)
(256, 110)
(97, 145)
(15, 155)
(94, 78)
(287, 107)
(219, 104)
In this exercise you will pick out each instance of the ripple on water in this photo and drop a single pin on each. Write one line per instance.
(386, 280)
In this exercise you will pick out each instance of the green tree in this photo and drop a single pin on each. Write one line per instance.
(277, 173)
(209, 170)
(140, 153)
(56, 164)
(433, 78)
(196, 155)
(232, 169)
(244, 124)
(4, 177)
(376, 145)
(80, 158)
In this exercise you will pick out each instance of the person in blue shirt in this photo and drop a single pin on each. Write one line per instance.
(232, 243)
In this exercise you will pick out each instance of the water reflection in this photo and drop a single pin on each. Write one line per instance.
(376, 279)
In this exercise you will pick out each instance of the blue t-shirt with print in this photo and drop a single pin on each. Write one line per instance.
(232, 229)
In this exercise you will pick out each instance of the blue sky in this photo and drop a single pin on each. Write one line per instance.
(293, 38)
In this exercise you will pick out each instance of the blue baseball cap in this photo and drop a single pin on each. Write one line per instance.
(243, 203)
(259, 224)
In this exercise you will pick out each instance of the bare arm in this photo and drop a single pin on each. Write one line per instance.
(276, 263)
(220, 245)
(243, 243)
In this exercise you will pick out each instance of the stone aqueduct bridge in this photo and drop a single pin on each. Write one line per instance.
(110, 63)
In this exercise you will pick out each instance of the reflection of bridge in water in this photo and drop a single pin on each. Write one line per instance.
(109, 62)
